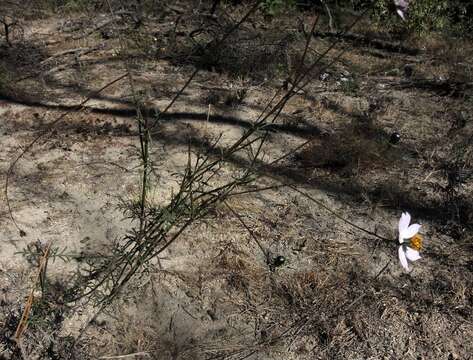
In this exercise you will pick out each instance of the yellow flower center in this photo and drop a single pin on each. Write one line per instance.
(416, 242)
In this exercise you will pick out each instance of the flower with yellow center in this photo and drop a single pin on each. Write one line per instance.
(406, 232)
(416, 242)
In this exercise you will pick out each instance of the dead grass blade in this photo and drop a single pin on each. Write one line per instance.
(23, 324)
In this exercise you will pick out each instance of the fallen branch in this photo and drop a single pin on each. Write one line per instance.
(81, 51)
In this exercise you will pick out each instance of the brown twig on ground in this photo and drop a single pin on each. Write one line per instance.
(141, 353)
(81, 50)
(23, 324)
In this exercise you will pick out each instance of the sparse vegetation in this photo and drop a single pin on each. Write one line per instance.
(225, 180)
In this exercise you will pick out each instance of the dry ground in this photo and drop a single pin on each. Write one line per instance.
(341, 293)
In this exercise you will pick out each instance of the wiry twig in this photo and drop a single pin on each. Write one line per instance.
(253, 236)
(143, 132)
(337, 215)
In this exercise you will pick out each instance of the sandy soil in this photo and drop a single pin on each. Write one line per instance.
(341, 293)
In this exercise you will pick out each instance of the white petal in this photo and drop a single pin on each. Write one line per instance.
(404, 222)
(412, 254)
(401, 14)
(402, 258)
(410, 231)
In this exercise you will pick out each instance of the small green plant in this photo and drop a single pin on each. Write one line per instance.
(349, 86)
(426, 16)
(429, 15)
(276, 7)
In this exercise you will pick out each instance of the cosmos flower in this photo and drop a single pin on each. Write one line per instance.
(401, 7)
(408, 232)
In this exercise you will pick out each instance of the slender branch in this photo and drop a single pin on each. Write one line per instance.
(265, 253)
(337, 215)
